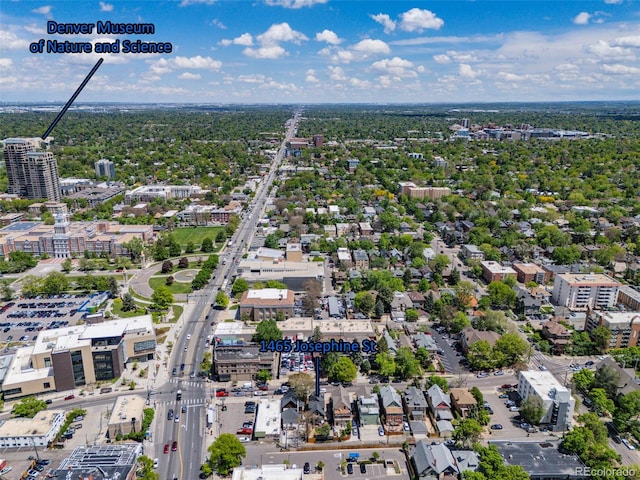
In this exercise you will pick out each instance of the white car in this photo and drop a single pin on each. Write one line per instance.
(189, 337)
(244, 439)
(628, 444)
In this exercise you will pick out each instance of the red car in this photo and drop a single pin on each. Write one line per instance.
(245, 431)
(70, 397)
(166, 448)
(222, 392)
(174, 446)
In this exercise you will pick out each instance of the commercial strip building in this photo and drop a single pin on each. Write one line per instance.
(268, 419)
(293, 274)
(66, 358)
(126, 415)
(583, 291)
(556, 398)
(267, 304)
(624, 326)
(267, 472)
(236, 361)
(101, 462)
(38, 431)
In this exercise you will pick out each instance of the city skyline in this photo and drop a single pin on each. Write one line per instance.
(331, 51)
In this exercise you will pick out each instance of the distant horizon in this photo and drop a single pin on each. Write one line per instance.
(321, 51)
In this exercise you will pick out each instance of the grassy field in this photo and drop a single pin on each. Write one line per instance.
(177, 287)
(196, 235)
(192, 266)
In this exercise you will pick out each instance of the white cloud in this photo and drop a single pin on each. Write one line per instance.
(466, 71)
(582, 18)
(619, 69)
(328, 36)
(613, 2)
(310, 76)
(163, 65)
(605, 51)
(217, 23)
(357, 83)
(294, 3)
(252, 78)
(337, 74)
(395, 66)
(246, 40)
(45, 10)
(270, 53)
(280, 32)
(370, 46)
(10, 41)
(417, 20)
(189, 76)
(384, 20)
(186, 3)
(105, 7)
(5, 63)
(630, 41)
(442, 59)
(35, 29)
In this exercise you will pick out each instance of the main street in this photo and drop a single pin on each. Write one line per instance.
(189, 430)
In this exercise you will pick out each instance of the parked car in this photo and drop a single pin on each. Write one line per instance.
(496, 426)
(174, 446)
(70, 397)
(306, 468)
(349, 468)
(381, 431)
(363, 468)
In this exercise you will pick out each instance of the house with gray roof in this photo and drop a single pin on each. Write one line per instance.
(391, 407)
(438, 400)
(437, 462)
(422, 340)
(368, 410)
(415, 405)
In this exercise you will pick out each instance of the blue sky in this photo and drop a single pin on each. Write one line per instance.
(319, 51)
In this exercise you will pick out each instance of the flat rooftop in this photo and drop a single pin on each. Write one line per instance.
(619, 318)
(20, 226)
(267, 472)
(267, 294)
(540, 458)
(268, 418)
(29, 427)
(125, 408)
(586, 279)
(543, 383)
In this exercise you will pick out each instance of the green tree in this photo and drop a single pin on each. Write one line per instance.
(239, 286)
(128, 304)
(344, 370)
(207, 363)
(608, 378)
(55, 283)
(267, 330)
(226, 453)
(583, 380)
(480, 356)
(145, 468)
(222, 300)
(467, 432)
(207, 245)
(167, 266)
(189, 247)
(532, 409)
(302, 385)
(263, 376)
(436, 380)
(510, 349)
(28, 407)
(601, 337)
(386, 364)
(67, 265)
(601, 402)
(407, 365)
(6, 291)
(364, 302)
(501, 295)
(162, 297)
(134, 247)
(411, 315)
(627, 415)
(460, 322)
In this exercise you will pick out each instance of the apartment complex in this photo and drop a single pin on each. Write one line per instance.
(494, 271)
(529, 272)
(105, 168)
(38, 431)
(556, 399)
(267, 303)
(411, 190)
(32, 174)
(241, 362)
(208, 214)
(624, 326)
(66, 358)
(582, 291)
(146, 193)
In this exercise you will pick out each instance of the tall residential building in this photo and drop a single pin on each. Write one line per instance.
(32, 174)
(558, 404)
(105, 168)
(624, 327)
(583, 291)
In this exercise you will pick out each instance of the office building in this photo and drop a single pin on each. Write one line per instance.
(624, 326)
(582, 291)
(32, 174)
(66, 358)
(38, 431)
(558, 404)
(126, 415)
(267, 304)
(239, 362)
(105, 168)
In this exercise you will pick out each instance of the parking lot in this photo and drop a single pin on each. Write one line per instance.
(22, 319)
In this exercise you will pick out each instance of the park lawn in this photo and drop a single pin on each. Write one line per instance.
(185, 235)
(117, 310)
(177, 311)
(176, 287)
(192, 266)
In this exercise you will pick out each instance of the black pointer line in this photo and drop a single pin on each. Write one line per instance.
(73, 97)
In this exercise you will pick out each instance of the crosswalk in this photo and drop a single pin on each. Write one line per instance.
(184, 383)
(193, 402)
